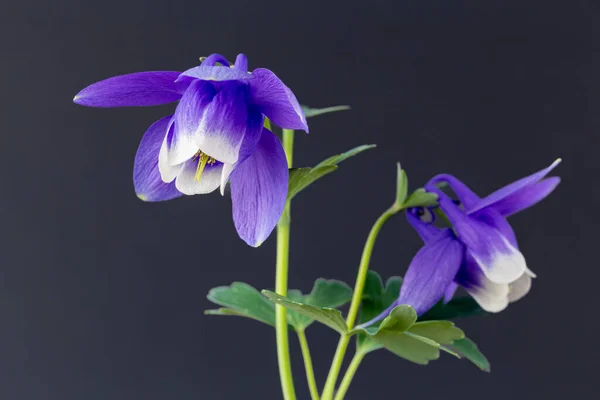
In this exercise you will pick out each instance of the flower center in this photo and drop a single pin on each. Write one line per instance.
(203, 159)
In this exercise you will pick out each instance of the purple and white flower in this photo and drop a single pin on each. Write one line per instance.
(479, 252)
(215, 136)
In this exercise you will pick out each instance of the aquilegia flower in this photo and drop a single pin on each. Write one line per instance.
(479, 252)
(215, 136)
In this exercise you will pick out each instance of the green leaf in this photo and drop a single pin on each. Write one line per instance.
(296, 320)
(443, 332)
(241, 299)
(329, 293)
(313, 112)
(300, 178)
(421, 198)
(375, 300)
(401, 186)
(419, 342)
(325, 293)
(327, 316)
(459, 307)
(468, 349)
(335, 160)
(409, 347)
(401, 318)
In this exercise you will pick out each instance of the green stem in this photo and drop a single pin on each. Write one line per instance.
(356, 360)
(338, 358)
(281, 286)
(288, 145)
(310, 375)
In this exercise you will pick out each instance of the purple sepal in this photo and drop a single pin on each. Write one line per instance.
(259, 190)
(147, 181)
(134, 90)
(449, 292)
(276, 100)
(430, 273)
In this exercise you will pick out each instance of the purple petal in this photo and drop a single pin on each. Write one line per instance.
(464, 194)
(526, 197)
(259, 190)
(210, 180)
(500, 260)
(430, 273)
(133, 90)
(182, 145)
(146, 177)
(427, 231)
(241, 62)
(491, 296)
(513, 189)
(214, 58)
(229, 129)
(216, 74)
(276, 100)
(491, 217)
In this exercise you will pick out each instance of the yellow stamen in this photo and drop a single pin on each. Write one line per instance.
(203, 159)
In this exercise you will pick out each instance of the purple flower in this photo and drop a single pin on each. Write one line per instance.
(479, 252)
(216, 135)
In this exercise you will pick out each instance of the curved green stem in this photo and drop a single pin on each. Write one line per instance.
(356, 299)
(281, 286)
(310, 375)
(356, 360)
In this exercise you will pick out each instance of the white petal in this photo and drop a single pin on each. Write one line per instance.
(491, 296)
(182, 148)
(519, 288)
(168, 172)
(187, 184)
(227, 170)
(530, 273)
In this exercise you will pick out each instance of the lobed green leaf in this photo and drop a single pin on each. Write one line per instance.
(327, 316)
(241, 299)
(399, 332)
(443, 332)
(468, 349)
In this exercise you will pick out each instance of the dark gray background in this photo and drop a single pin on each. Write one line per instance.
(101, 295)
